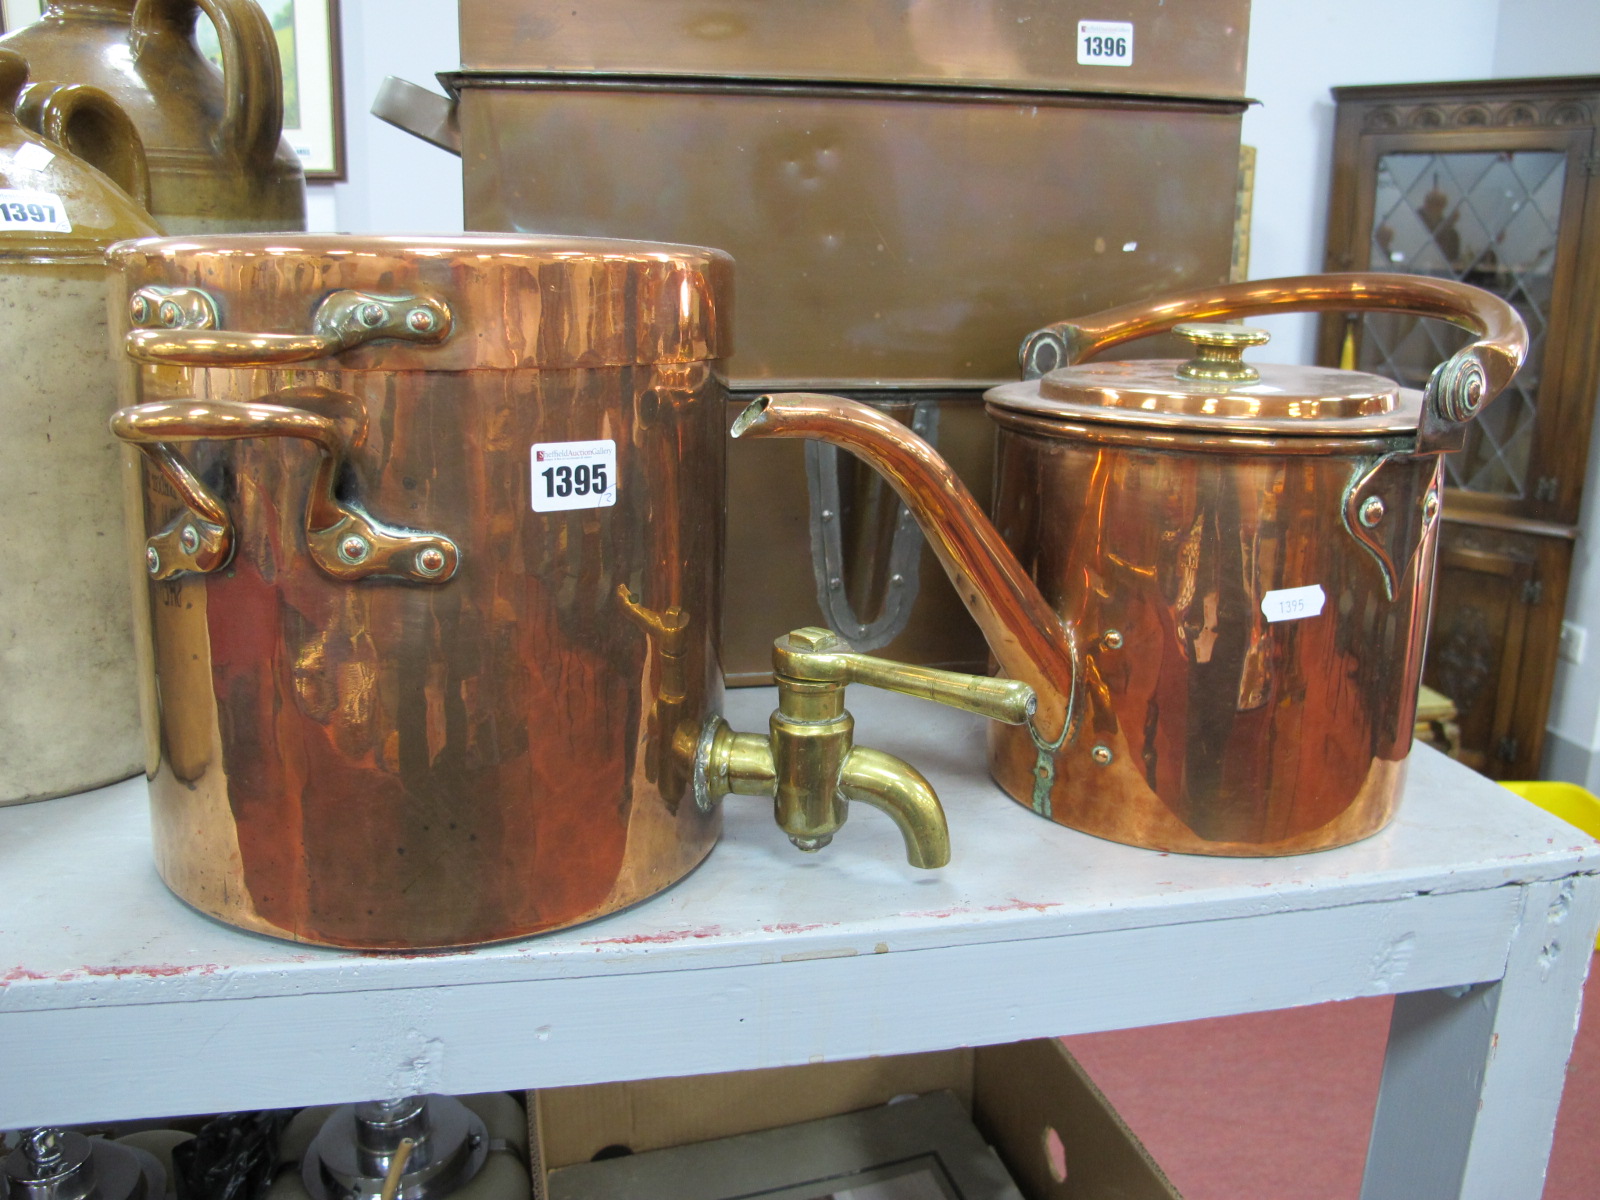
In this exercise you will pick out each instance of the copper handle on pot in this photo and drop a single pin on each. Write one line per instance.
(344, 540)
(187, 335)
(1456, 393)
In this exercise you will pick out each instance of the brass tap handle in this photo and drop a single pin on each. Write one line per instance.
(177, 327)
(819, 655)
(808, 762)
(1457, 392)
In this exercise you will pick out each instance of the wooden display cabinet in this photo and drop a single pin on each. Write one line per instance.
(1497, 184)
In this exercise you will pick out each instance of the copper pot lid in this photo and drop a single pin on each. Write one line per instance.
(1217, 391)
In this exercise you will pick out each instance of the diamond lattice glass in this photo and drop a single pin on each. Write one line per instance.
(1487, 219)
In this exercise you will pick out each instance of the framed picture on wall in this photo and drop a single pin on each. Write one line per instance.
(307, 33)
(313, 93)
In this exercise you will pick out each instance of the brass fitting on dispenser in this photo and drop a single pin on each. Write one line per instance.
(808, 763)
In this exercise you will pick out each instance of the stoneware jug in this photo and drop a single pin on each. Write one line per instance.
(218, 162)
(69, 717)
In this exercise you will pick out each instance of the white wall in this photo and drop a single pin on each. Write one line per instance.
(397, 184)
(1298, 50)
(1562, 37)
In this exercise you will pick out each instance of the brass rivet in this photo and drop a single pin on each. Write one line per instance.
(421, 320)
(139, 308)
(430, 561)
(1102, 756)
(189, 539)
(1372, 511)
(170, 314)
(1430, 506)
(152, 560)
(1112, 639)
(371, 315)
(354, 549)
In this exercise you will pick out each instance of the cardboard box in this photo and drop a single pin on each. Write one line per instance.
(1054, 1130)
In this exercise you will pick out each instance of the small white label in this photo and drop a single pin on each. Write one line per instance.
(1293, 604)
(33, 157)
(1105, 43)
(569, 475)
(21, 209)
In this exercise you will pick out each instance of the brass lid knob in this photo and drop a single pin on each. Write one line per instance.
(1219, 352)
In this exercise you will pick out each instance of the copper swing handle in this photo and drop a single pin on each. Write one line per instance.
(185, 329)
(1456, 393)
(344, 541)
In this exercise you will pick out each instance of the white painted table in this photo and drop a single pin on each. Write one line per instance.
(117, 1001)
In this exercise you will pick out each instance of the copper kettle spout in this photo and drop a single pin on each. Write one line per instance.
(1030, 642)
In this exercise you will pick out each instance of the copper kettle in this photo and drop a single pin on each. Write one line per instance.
(1216, 580)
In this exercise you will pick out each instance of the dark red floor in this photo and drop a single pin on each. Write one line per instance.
(1277, 1106)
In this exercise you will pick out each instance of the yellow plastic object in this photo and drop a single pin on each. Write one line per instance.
(1573, 804)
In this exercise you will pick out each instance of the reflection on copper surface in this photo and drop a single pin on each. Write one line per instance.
(391, 764)
(1128, 576)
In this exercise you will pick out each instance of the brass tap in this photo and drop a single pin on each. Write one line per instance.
(808, 762)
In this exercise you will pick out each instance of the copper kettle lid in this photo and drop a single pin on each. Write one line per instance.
(1218, 391)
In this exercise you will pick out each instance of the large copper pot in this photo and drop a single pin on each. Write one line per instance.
(1218, 585)
(218, 162)
(431, 529)
(68, 709)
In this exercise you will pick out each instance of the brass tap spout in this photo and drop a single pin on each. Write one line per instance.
(808, 762)
(894, 786)
(1029, 641)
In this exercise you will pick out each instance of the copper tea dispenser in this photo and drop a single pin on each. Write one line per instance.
(432, 531)
(1216, 577)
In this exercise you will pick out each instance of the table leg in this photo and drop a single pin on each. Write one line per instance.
(1473, 1075)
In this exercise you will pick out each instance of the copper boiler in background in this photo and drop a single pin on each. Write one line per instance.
(418, 519)
(908, 190)
(1215, 577)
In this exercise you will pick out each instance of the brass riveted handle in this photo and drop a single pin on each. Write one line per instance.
(343, 540)
(178, 327)
(808, 762)
(1456, 393)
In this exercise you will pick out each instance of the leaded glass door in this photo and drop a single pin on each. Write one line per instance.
(1486, 210)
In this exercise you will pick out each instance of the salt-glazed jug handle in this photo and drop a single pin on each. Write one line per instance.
(88, 122)
(1458, 390)
(343, 540)
(252, 119)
